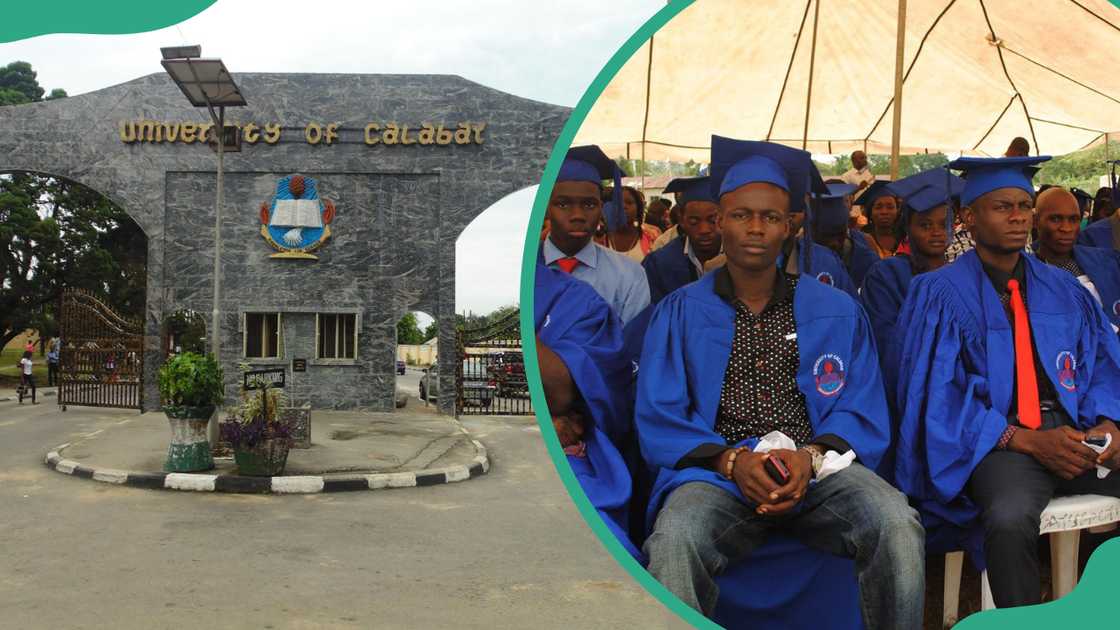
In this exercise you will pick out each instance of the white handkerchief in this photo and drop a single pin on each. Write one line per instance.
(1102, 471)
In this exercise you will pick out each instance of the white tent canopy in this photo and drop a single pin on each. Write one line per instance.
(976, 74)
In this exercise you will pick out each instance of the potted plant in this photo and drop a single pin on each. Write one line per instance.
(259, 438)
(190, 387)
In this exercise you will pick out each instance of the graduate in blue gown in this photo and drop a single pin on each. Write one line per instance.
(992, 421)
(1057, 215)
(682, 260)
(747, 351)
(1104, 225)
(830, 229)
(883, 233)
(927, 218)
(586, 381)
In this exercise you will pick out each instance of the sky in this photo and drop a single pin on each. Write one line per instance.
(547, 51)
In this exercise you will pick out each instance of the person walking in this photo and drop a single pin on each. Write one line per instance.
(27, 381)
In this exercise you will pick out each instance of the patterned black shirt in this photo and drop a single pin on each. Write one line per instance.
(760, 391)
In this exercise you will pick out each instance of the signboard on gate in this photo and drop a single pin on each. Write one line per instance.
(259, 379)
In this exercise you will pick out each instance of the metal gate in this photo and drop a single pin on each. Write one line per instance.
(101, 363)
(490, 375)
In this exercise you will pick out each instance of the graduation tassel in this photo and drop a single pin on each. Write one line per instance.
(807, 232)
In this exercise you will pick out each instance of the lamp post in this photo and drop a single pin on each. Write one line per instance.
(207, 83)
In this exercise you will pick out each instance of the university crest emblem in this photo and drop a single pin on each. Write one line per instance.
(296, 221)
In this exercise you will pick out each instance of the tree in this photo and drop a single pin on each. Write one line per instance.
(19, 76)
(408, 331)
(57, 233)
(432, 331)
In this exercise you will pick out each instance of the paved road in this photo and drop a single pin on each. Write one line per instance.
(507, 550)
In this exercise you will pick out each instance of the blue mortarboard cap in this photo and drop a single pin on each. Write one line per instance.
(876, 189)
(691, 189)
(842, 190)
(589, 164)
(983, 175)
(736, 163)
(831, 211)
(926, 190)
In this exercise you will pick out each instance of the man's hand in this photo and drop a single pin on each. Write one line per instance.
(1110, 458)
(786, 497)
(569, 428)
(863, 184)
(755, 483)
(1059, 450)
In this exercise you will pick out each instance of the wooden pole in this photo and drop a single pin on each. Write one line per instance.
(899, 49)
(809, 91)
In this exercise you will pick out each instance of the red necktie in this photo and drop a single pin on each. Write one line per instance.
(568, 264)
(1026, 380)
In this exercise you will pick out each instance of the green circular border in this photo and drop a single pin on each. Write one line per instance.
(1083, 604)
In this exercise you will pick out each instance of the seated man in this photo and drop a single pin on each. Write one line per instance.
(1058, 220)
(749, 352)
(1006, 365)
(830, 229)
(682, 260)
(574, 211)
(800, 255)
(586, 382)
(928, 221)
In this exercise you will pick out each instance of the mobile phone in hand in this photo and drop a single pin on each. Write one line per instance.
(1096, 440)
(777, 470)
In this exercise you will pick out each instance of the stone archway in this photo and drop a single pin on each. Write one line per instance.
(401, 203)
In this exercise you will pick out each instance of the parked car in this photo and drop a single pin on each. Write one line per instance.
(479, 387)
(400, 367)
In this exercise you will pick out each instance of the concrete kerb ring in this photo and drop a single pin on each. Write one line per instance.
(290, 484)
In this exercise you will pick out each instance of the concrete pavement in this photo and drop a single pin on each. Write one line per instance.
(505, 550)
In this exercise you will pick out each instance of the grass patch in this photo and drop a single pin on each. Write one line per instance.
(10, 371)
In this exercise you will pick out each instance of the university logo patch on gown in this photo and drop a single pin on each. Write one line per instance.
(1067, 370)
(828, 371)
(826, 278)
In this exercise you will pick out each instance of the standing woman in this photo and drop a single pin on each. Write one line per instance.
(635, 237)
(26, 380)
(883, 231)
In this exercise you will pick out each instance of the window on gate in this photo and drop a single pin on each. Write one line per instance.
(337, 335)
(262, 335)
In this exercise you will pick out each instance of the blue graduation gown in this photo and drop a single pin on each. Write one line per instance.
(956, 375)
(575, 323)
(1103, 268)
(685, 353)
(826, 266)
(882, 294)
(861, 259)
(668, 269)
(1098, 234)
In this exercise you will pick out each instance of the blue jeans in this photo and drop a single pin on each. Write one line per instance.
(853, 513)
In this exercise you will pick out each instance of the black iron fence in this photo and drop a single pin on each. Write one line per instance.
(490, 375)
(101, 362)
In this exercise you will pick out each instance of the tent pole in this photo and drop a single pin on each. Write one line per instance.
(896, 128)
(812, 61)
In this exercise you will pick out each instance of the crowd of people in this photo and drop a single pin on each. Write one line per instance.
(807, 370)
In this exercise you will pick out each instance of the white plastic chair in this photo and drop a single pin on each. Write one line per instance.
(1063, 519)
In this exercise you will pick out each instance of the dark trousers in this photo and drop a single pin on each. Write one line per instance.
(1012, 490)
(52, 374)
(27, 382)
